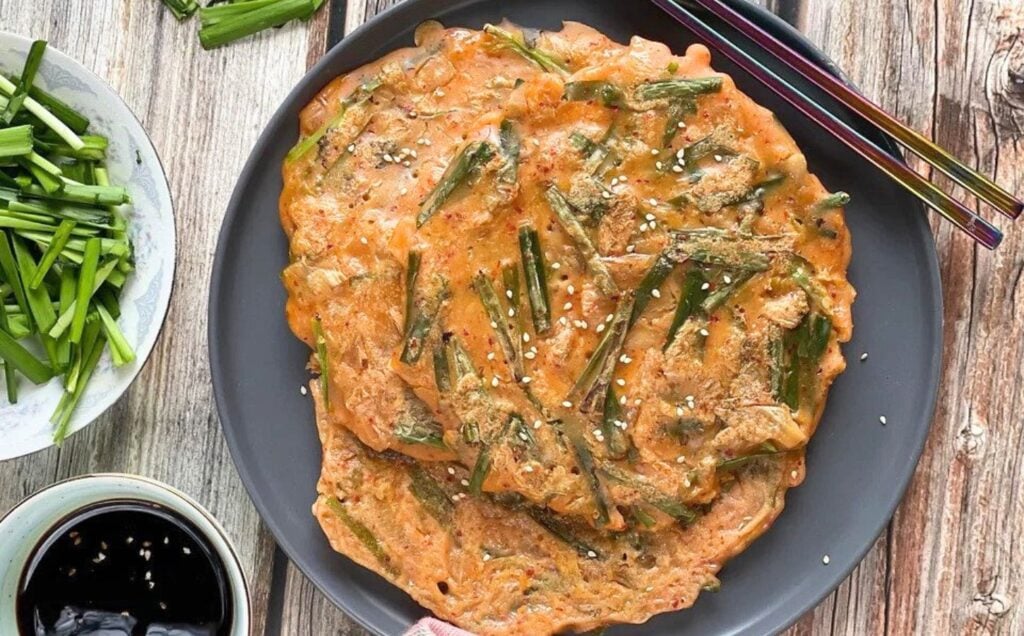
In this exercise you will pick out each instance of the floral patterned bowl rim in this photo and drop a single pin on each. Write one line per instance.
(25, 427)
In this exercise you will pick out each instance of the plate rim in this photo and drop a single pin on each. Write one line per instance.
(774, 621)
(143, 354)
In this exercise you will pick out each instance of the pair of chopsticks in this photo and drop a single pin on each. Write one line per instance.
(956, 212)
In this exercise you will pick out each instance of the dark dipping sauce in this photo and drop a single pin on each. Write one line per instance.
(121, 568)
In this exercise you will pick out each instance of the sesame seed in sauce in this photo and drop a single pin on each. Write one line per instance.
(495, 381)
(705, 286)
(451, 471)
(567, 306)
(536, 423)
(571, 289)
(704, 332)
(526, 379)
(567, 404)
(620, 382)
(599, 328)
(526, 337)
(591, 554)
(727, 279)
(556, 265)
(363, 240)
(656, 293)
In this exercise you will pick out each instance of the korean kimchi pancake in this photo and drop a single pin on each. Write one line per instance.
(566, 294)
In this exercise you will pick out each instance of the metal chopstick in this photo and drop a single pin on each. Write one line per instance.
(969, 178)
(977, 228)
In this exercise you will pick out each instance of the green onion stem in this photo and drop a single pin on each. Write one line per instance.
(261, 15)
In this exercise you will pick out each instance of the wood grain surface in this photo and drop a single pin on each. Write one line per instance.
(951, 561)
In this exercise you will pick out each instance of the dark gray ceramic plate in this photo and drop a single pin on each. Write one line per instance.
(857, 469)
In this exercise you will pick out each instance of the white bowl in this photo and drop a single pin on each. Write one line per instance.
(132, 161)
(28, 522)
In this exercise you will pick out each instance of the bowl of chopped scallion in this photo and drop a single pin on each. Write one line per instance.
(86, 246)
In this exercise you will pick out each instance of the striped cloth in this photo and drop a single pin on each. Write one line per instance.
(434, 627)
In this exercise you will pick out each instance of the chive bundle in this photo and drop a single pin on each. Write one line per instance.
(226, 21)
(64, 249)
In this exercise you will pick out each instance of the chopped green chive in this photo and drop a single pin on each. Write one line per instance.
(516, 42)
(536, 278)
(16, 141)
(181, 9)
(463, 167)
(224, 23)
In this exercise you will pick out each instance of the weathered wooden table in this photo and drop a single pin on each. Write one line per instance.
(951, 561)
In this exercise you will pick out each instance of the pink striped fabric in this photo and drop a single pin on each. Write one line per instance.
(434, 627)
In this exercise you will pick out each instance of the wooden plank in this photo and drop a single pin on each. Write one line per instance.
(165, 426)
